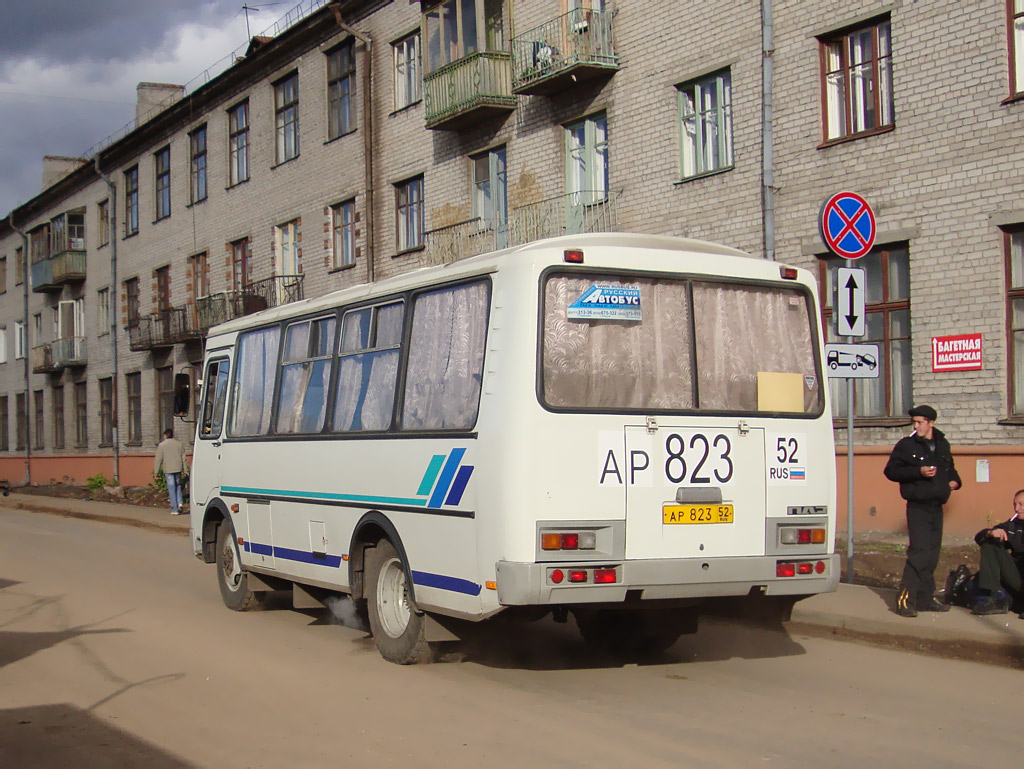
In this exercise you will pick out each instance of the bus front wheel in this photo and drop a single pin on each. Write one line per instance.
(233, 581)
(395, 622)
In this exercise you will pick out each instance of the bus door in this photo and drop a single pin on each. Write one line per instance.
(206, 454)
(694, 491)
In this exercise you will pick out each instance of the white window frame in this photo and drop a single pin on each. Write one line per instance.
(705, 125)
(19, 340)
(3, 344)
(343, 228)
(286, 118)
(103, 311)
(408, 71)
(409, 213)
(1015, 37)
(238, 143)
(586, 159)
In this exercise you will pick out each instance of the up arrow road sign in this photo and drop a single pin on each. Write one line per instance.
(850, 302)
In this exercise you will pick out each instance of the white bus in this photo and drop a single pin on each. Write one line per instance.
(629, 429)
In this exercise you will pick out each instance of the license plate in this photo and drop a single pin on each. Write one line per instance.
(696, 514)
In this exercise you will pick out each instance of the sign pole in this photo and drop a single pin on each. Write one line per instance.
(849, 480)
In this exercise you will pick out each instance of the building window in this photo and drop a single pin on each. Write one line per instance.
(21, 421)
(58, 417)
(341, 91)
(131, 302)
(705, 124)
(164, 400)
(887, 324)
(343, 224)
(163, 288)
(103, 223)
(1014, 243)
(5, 428)
(408, 79)
(3, 274)
(103, 311)
(457, 28)
(19, 339)
(131, 201)
(490, 193)
(162, 164)
(286, 117)
(19, 266)
(1015, 9)
(106, 412)
(133, 386)
(587, 160)
(200, 276)
(197, 164)
(238, 143)
(857, 81)
(40, 426)
(81, 416)
(409, 208)
(3, 344)
(241, 263)
(37, 329)
(288, 255)
(39, 243)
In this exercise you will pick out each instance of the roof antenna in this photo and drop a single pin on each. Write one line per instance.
(255, 8)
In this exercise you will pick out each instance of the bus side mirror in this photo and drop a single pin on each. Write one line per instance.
(182, 394)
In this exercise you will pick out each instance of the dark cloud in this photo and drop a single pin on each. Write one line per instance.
(68, 31)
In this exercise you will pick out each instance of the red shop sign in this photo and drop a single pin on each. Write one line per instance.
(956, 353)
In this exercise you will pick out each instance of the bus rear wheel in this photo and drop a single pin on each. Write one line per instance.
(233, 581)
(395, 622)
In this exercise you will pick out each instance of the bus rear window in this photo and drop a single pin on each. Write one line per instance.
(641, 345)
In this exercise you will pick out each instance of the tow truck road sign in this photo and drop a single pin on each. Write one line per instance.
(851, 361)
(850, 284)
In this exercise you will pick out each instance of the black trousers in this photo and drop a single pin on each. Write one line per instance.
(998, 569)
(924, 525)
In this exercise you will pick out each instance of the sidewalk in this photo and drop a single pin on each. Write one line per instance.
(854, 611)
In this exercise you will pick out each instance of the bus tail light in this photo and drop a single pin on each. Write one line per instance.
(787, 273)
(791, 535)
(604, 576)
(568, 540)
(573, 256)
(798, 568)
(783, 569)
(578, 575)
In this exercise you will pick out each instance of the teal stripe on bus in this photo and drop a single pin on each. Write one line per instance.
(431, 475)
(314, 495)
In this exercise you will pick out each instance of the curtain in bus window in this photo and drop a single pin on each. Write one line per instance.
(366, 380)
(255, 374)
(617, 364)
(446, 355)
(743, 330)
(305, 375)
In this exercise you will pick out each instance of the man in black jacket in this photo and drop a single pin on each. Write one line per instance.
(1002, 562)
(922, 464)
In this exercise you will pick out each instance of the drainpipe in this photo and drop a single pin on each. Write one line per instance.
(767, 172)
(112, 301)
(25, 277)
(367, 132)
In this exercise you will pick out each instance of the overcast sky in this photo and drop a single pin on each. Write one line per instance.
(68, 70)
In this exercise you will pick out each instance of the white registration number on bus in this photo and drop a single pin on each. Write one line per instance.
(696, 514)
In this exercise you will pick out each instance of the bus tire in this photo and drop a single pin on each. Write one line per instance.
(232, 579)
(396, 624)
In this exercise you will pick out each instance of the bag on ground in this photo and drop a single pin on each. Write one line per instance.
(961, 587)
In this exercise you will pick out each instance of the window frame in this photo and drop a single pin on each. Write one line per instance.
(198, 156)
(408, 71)
(1013, 293)
(877, 83)
(103, 223)
(241, 263)
(409, 223)
(589, 190)
(131, 201)
(724, 159)
(162, 183)
(103, 311)
(238, 144)
(1015, 48)
(81, 396)
(106, 390)
(286, 118)
(341, 90)
(20, 420)
(57, 405)
(5, 426)
(39, 419)
(133, 311)
(886, 307)
(343, 234)
(133, 393)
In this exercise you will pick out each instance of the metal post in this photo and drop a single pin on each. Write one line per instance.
(849, 480)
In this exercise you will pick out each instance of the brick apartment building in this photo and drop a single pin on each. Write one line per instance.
(366, 139)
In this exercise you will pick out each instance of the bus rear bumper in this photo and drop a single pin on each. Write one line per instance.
(528, 584)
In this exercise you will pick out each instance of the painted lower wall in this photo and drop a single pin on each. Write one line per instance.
(135, 469)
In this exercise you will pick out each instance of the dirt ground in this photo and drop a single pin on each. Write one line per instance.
(877, 560)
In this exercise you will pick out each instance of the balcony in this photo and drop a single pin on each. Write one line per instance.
(466, 91)
(577, 45)
(58, 355)
(570, 214)
(65, 267)
(221, 307)
(164, 328)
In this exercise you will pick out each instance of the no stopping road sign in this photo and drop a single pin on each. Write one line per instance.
(847, 225)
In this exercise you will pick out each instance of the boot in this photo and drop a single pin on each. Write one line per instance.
(905, 606)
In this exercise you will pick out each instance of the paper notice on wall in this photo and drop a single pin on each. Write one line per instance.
(981, 471)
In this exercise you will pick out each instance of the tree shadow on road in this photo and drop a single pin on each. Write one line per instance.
(61, 735)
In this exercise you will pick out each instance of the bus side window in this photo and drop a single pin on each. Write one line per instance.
(216, 387)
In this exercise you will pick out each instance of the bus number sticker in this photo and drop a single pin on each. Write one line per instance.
(787, 459)
(606, 303)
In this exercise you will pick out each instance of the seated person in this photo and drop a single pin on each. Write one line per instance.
(1002, 562)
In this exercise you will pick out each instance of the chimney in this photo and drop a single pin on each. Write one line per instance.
(56, 167)
(151, 98)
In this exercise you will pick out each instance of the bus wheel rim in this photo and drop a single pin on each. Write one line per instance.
(393, 598)
(232, 568)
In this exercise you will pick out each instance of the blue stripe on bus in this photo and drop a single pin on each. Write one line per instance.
(323, 495)
(461, 479)
(454, 458)
(431, 475)
(259, 549)
(334, 561)
(454, 584)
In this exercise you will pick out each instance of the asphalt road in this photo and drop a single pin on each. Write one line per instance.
(115, 651)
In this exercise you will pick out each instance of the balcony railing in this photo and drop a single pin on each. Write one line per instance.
(50, 274)
(163, 328)
(467, 90)
(574, 46)
(59, 354)
(571, 214)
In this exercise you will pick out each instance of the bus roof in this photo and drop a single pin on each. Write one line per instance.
(479, 264)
